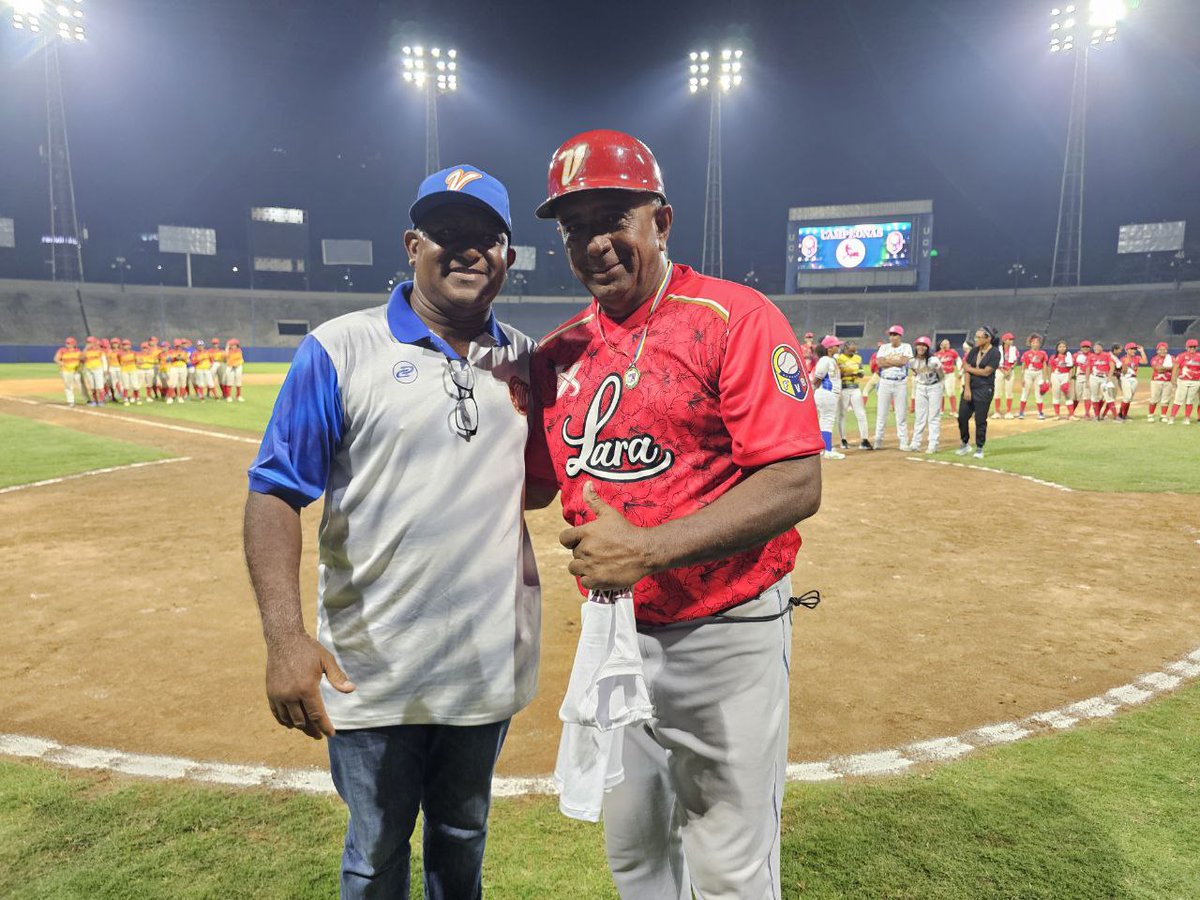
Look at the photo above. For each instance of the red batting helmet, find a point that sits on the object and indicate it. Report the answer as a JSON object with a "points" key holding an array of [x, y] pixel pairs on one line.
{"points": [[600, 159], [1083, 344], [924, 340], [1192, 344], [1007, 336]]}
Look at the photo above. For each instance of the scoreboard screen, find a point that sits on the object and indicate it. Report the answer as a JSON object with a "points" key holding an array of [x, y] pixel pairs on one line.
{"points": [[866, 245]]}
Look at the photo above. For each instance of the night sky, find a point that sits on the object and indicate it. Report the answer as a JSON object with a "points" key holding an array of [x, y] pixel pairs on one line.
{"points": [[189, 112]]}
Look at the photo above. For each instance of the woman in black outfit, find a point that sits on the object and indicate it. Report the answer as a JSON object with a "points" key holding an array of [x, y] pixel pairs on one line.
{"points": [[979, 365]]}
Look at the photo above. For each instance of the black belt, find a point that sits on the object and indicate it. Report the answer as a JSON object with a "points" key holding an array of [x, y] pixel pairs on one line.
{"points": [[809, 600]]}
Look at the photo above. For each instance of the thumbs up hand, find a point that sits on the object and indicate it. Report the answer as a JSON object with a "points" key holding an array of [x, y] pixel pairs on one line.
{"points": [[609, 553]]}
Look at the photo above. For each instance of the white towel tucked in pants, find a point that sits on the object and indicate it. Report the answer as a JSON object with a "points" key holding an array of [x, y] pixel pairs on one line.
{"points": [[607, 691]]}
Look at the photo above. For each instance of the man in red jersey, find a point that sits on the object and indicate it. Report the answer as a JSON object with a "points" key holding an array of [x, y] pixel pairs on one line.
{"points": [[1161, 386], [675, 415], [1187, 381]]}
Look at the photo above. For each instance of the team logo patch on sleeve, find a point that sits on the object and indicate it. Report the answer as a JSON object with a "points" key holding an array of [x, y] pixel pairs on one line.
{"points": [[789, 376]]}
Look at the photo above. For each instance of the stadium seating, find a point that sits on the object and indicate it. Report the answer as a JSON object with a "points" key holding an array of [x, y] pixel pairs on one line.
{"points": [[35, 315]]}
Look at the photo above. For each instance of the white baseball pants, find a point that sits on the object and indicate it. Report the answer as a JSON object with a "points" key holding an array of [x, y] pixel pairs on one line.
{"points": [[892, 395], [700, 803], [928, 413], [852, 399]]}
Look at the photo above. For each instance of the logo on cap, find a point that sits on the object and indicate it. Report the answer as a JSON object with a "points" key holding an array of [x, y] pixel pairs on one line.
{"points": [[460, 178], [572, 159]]}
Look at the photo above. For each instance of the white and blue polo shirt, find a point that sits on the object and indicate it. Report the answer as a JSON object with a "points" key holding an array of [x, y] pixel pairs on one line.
{"points": [[428, 592]]}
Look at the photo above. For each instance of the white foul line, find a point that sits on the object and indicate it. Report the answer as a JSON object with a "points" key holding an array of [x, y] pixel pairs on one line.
{"points": [[958, 465], [138, 420], [877, 763], [91, 472]]}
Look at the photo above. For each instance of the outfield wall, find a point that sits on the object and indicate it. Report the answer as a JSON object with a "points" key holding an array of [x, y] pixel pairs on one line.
{"points": [[36, 315]]}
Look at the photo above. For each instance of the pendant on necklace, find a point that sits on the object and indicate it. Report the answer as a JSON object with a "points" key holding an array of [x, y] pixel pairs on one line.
{"points": [[632, 377]]}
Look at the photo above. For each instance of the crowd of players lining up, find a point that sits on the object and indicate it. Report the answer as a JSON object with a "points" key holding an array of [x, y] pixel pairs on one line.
{"points": [[110, 370], [1092, 383]]}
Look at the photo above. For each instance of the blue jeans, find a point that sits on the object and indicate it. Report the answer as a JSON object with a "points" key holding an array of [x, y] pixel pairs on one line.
{"points": [[385, 774]]}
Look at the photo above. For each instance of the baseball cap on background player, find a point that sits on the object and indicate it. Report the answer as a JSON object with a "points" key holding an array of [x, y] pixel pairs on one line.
{"points": [[462, 185], [1084, 343], [1162, 345], [1132, 345], [830, 341], [600, 160], [809, 334], [1007, 336], [924, 340], [896, 329], [1191, 344]]}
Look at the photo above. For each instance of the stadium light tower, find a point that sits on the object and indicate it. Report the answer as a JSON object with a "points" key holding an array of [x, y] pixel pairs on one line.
{"points": [[433, 71], [1078, 30], [716, 73], [55, 23]]}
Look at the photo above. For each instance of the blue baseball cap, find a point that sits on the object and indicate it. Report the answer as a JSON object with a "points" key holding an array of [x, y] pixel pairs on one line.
{"points": [[462, 184]]}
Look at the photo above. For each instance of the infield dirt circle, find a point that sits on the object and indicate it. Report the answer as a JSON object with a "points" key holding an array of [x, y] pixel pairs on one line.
{"points": [[952, 598]]}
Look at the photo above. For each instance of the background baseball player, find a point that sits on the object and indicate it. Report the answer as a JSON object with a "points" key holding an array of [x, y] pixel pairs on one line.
{"points": [[1083, 380], [1187, 382], [1062, 382], [1135, 356], [1035, 362], [951, 363], [893, 358], [234, 361], [69, 358], [851, 366], [827, 379], [1006, 375], [1100, 383], [928, 378], [1162, 385]]}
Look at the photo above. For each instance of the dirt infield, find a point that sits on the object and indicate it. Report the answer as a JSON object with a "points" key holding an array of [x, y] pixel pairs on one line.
{"points": [[130, 622]]}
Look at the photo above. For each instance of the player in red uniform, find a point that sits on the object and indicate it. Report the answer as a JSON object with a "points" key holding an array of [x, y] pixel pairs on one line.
{"points": [[1036, 362], [1061, 379], [1100, 385], [675, 415], [1187, 381], [949, 357], [1161, 385], [1134, 356], [1083, 375]]}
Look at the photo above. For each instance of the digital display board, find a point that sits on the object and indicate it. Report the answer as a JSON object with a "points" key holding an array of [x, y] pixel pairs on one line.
{"points": [[865, 245]]}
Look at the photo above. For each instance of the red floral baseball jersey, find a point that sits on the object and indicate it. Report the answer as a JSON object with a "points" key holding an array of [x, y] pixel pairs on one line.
{"points": [[719, 391]]}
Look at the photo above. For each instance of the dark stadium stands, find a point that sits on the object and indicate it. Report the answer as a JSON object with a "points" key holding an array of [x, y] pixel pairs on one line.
{"points": [[36, 315]]}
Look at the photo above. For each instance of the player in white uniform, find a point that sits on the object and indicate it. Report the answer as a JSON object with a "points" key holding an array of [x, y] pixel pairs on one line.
{"points": [[893, 358], [827, 378], [928, 377]]}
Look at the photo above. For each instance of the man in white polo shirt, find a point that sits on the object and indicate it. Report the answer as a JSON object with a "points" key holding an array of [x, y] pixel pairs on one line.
{"points": [[411, 419], [893, 359]]}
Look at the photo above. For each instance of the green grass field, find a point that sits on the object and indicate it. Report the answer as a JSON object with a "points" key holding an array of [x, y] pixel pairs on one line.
{"points": [[1132, 456], [1106, 811], [33, 451], [50, 370]]}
